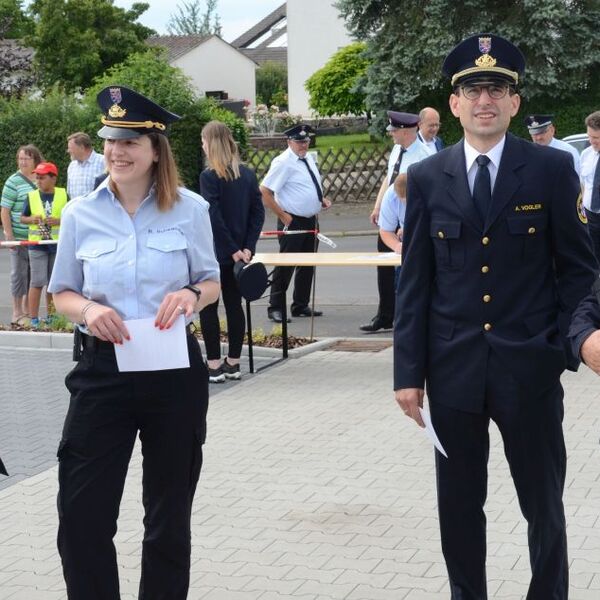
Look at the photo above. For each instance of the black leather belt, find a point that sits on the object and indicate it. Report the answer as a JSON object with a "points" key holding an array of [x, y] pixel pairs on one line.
{"points": [[82, 342]]}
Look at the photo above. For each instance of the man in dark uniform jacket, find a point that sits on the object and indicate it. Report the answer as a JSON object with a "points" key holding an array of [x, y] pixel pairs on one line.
{"points": [[496, 258]]}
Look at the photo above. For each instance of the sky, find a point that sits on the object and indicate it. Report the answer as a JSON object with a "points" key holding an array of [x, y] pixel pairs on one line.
{"points": [[237, 16]]}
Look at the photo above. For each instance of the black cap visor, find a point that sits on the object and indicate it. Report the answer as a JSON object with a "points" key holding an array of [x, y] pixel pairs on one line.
{"points": [[120, 133]]}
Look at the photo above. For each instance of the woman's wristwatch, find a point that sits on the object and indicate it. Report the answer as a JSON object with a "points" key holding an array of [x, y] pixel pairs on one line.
{"points": [[194, 289]]}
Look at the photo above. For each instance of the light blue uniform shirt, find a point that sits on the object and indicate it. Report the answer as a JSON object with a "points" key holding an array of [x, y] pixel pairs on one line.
{"points": [[393, 211], [130, 264], [290, 181]]}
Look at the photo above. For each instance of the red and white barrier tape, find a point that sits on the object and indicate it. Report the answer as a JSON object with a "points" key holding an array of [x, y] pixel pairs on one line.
{"points": [[28, 243]]}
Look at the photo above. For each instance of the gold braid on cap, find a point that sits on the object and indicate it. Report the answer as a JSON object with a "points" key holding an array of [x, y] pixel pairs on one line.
{"points": [[513, 74], [134, 124]]}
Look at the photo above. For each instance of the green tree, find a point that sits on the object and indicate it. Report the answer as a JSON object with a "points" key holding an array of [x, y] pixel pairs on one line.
{"points": [[189, 19], [77, 40], [336, 88], [407, 41], [271, 83], [14, 23]]}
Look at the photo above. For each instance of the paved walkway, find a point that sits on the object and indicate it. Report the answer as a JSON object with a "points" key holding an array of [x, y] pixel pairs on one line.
{"points": [[316, 487]]}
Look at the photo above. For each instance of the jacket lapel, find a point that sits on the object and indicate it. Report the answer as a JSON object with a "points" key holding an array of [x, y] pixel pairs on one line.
{"points": [[458, 186], [507, 180]]}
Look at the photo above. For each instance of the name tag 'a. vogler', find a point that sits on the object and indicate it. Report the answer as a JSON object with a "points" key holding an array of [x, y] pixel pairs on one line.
{"points": [[521, 207]]}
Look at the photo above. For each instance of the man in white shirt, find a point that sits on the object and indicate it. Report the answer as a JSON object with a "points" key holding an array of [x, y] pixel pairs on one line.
{"points": [[407, 150], [429, 125], [86, 164], [292, 190], [590, 180], [542, 130]]}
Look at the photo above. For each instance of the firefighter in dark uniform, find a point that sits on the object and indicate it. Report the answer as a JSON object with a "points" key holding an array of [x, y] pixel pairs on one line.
{"points": [[495, 259], [137, 247]]}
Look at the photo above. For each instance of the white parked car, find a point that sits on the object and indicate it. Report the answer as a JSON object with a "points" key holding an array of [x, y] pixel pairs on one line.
{"points": [[579, 141]]}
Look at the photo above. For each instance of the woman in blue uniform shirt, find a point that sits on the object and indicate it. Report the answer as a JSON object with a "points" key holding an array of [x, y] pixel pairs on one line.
{"points": [[237, 215], [139, 246]]}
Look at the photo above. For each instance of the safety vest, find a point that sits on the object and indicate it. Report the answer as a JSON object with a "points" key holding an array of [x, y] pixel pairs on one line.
{"points": [[37, 209]]}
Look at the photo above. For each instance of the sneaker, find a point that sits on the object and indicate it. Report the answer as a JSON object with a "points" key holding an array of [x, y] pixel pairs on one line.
{"points": [[216, 375], [35, 322], [231, 371]]}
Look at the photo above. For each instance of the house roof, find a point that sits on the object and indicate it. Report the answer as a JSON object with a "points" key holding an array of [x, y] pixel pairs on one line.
{"points": [[177, 45], [263, 55], [262, 27]]}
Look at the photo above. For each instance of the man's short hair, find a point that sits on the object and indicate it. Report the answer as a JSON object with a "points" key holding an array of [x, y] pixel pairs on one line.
{"points": [[81, 139], [593, 120]]}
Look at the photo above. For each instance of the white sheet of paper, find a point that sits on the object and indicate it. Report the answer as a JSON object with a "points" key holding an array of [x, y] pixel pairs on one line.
{"points": [[430, 431], [151, 349]]}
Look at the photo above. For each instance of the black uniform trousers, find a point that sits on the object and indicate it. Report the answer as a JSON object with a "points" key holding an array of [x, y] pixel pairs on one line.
{"points": [[386, 286], [302, 242], [531, 429], [106, 411], [594, 231], [236, 320]]}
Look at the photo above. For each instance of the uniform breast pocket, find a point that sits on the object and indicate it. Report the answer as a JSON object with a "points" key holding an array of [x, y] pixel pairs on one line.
{"points": [[529, 234], [448, 244], [167, 255], [98, 258]]}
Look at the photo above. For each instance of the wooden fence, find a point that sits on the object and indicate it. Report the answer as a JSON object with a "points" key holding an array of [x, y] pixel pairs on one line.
{"points": [[349, 175]]}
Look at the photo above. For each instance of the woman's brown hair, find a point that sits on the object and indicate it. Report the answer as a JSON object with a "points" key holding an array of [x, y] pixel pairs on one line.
{"points": [[32, 152], [223, 156]]}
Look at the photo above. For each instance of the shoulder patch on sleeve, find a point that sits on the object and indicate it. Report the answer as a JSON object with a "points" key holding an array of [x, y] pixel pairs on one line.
{"points": [[581, 210]]}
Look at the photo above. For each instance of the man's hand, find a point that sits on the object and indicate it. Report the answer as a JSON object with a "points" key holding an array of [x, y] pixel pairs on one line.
{"points": [[409, 400], [286, 218], [590, 351], [326, 203]]}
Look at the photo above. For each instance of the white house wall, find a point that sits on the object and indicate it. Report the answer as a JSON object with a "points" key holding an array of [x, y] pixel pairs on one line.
{"points": [[214, 65], [315, 31]]}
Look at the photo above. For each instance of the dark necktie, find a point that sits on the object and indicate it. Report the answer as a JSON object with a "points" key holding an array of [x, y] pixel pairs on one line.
{"points": [[396, 169], [314, 180], [595, 203], [482, 190]]}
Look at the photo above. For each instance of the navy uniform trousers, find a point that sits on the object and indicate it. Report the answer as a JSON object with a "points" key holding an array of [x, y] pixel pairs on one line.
{"points": [[531, 429], [386, 286], [304, 275], [106, 411]]}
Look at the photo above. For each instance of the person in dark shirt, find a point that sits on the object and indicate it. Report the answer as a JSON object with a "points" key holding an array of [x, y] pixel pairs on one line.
{"points": [[237, 216]]}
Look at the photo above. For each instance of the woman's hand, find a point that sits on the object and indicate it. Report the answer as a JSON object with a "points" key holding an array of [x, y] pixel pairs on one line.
{"points": [[105, 323], [181, 302]]}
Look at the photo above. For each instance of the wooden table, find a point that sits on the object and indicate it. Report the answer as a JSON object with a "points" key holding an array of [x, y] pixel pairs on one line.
{"points": [[313, 259]]}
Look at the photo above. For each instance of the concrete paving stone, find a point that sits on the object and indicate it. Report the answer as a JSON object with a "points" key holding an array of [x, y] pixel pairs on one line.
{"points": [[421, 595], [272, 595], [308, 561], [329, 590], [308, 460], [265, 571], [426, 584], [366, 592], [286, 587]]}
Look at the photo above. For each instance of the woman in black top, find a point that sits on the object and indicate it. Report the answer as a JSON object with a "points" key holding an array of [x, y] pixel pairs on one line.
{"points": [[237, 216]]}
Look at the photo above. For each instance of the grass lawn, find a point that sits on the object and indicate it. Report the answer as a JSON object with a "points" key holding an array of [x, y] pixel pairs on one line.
{"points": [[347, 141]]}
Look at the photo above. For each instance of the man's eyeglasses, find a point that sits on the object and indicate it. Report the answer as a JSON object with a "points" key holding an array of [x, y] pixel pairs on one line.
{"points": [[496, 91]]}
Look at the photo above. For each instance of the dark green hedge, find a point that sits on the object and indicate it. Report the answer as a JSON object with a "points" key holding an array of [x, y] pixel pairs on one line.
{"points": [[47, 122]]}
